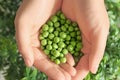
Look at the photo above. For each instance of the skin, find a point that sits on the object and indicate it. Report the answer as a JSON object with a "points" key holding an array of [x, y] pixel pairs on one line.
{"points": [[93, 22]]}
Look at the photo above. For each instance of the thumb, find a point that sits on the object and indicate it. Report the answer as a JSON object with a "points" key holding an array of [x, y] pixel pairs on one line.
{"points": [[98, 41], [23, 42]]}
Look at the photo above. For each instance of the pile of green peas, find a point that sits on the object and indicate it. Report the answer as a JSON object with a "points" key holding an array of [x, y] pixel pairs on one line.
{"points": [[60, 36]]}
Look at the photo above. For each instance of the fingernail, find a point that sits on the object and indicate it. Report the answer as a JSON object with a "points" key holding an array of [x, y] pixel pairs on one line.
{"points": [[94, 69], [28, 63]]}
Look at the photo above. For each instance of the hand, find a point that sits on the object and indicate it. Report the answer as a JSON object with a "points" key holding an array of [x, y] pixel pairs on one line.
{"points": [[31, 15], [93, 22]]}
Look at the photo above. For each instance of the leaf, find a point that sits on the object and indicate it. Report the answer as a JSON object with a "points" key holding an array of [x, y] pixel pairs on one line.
{"points": [[25, 78], [27, 71]]}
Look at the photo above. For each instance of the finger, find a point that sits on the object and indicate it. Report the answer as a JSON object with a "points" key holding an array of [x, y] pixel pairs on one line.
{"points": [[82, 68], [50, 69], [70, 59], [97, 50], [67, 76], [24, 41], [68, 68]]}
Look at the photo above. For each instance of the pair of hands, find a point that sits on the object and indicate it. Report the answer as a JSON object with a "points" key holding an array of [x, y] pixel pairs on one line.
{"points": [[93, 22]]}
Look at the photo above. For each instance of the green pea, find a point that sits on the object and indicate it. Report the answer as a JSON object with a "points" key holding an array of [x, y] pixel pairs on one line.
{"points": [[46, 52], [62, 16], [56, 33], [58, 13], [76, 28], [56, 39], [77, 49], [54, 19], [78, 32], [63, 35], [43, 42], [74, 24], [76, 54], [52, 51], [49, 42], [57, 61], [51, 36], [67, 32], [78, 37], [56, 53], [65, 51], [61, 44], [68, 37], [73, 43], [72, 34], [66, 25], [45, 34], [50, 23], [52, 58], [72, 52], [71, 29], [70, 48], [59, 49], [63, 28], [55, 46], [67, 42], [73, 39], [68, 21], [51, 29], [56, 24], [61, 55], [45, 27], [63, 60], [41, 37], [62, 21], [61, 39], [58, 29], [49, 47], [79, 45]]}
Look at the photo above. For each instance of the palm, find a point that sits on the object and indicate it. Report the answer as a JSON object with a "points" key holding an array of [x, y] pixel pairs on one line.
{"points": [[90, 22], [29, 19], [33, 17]]}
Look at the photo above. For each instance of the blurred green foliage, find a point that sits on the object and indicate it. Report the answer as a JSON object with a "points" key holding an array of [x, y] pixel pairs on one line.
{"points": [[11, 59]]}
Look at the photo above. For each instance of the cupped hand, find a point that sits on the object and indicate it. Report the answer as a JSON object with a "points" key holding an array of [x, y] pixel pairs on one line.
{"points": [[31, 15], [93, 22]]}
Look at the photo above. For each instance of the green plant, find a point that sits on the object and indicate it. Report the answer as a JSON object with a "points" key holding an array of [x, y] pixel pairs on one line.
{"points": [[11, 59]]}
